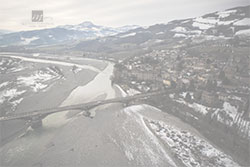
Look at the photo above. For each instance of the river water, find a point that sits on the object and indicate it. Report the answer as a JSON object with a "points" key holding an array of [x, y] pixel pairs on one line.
{"points": [[100, 85]]}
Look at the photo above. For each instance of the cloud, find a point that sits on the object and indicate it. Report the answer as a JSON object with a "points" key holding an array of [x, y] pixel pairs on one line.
{"points": [[108, 12]]}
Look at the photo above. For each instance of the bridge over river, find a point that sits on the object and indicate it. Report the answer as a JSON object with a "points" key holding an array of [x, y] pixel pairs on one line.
{"points": [[37, 115]]}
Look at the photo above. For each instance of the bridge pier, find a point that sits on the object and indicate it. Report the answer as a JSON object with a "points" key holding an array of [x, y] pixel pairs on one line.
{"points": [[126, 104], [36, 124], [129, 103]]}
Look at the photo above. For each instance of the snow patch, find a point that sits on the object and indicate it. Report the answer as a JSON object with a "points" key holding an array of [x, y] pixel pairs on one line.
{"points": [[129, 155], [152, 152], [158, 41], [36, 54], [243, 32], [128, 35], [230, 110], [36, 81], [4, 84], [190, 149], [9, 94], [178, 35], [159, 33], [226, 13], [179, 29], [26, 41], [132, 92], [243, 22], [202, 26], [124, 94]]}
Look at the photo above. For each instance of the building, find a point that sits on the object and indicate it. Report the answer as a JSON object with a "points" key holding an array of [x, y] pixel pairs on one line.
{"points": [[167, 83], [209, 98], [145, 76]]}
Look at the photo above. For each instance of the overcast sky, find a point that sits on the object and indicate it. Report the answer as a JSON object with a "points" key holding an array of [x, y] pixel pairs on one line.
{"points": [[16, 14]]}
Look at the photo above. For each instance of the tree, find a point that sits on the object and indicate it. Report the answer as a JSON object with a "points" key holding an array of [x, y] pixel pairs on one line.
{"points": [[179, 66], [209, 85], [191, 86], [173, 84], [197, 95], [208, 61], [226, 81], [222, 75], [178, 58], [188, 97]]}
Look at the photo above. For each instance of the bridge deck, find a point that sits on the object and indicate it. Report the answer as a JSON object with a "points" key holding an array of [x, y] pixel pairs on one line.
{"points": [[83, 106]]}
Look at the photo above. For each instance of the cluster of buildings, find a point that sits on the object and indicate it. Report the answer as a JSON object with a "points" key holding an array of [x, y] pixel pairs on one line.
{"points": [[211, 80]]}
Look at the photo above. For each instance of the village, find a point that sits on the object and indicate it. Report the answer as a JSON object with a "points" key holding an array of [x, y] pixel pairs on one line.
{"points": [[210, 81]]}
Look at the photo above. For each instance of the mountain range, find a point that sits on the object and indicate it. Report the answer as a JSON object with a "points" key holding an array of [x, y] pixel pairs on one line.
{"points": [[58, 35]]}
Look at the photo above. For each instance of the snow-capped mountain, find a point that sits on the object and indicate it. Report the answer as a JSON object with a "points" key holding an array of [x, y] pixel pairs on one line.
{"points": [[225, 25], [61, 34], [98, 31]]}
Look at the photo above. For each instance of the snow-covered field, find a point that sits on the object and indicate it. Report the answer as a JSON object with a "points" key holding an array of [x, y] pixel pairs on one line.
{"points": [[205, 23], [29, 81], [39, 79], [201, 25], [12, 92], [243, 22], [243, 33], [8, 65], [170, 141], [191, 150], [151, 149], [12, 96], [227, 115]]}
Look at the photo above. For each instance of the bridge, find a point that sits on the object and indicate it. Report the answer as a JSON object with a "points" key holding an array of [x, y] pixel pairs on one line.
{"points": [[36, 116]]}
